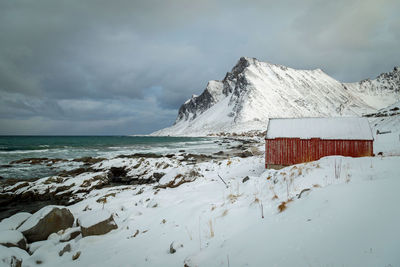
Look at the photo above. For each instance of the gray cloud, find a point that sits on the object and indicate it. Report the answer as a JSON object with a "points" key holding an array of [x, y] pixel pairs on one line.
{"points": [[124, 66]]}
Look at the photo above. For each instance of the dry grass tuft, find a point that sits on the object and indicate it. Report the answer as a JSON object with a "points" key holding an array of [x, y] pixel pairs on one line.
{"points": [[283, 206], [232, 198], [211, 229], [224, 213], [274, 197], [300, 172]]}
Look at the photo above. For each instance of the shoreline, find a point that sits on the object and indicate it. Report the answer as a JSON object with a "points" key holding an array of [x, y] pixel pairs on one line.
{"points": [[29, 195]]}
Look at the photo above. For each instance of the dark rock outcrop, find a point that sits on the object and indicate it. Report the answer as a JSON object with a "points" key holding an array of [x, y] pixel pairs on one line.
{"points": [[119, 175], [99, 228], [46, 221]]}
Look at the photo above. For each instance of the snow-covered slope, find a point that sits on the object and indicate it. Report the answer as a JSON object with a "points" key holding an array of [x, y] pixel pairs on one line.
{"points": [[255, 91], [386, 129], [336, 211]]}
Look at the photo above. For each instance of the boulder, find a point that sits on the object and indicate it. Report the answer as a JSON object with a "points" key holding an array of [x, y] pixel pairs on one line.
{"points": [[44, 245], [158, 175], [46, 221], [96, 223], [12, 256], [15, 221], [70, 234], [119, 175], [12, 238]]}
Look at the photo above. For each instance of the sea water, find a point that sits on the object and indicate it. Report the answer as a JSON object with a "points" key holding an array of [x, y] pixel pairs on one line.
{"points": [[71, 147]]}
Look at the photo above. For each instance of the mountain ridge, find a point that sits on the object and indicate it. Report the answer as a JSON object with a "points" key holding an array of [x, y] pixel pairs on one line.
{"points": [[254, 91]]}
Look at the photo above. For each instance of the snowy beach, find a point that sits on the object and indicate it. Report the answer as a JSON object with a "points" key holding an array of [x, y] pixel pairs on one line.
{"points": [[226, 212]]}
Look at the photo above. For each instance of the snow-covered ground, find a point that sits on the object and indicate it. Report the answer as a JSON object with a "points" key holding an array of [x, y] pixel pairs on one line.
{"points": [[337, 211], [385, 126]]}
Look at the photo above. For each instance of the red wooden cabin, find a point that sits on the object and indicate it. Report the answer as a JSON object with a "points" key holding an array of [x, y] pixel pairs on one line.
{"points": [[293, 141]]}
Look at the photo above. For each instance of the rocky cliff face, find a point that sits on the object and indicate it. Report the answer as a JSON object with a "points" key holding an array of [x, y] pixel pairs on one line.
{"points": [[389, 82], [234, 82], [254, 91]]}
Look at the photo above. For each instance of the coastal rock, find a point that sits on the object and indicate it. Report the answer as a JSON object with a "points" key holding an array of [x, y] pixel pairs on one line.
{"points": [[12, 256], [15, 221], [12, 238], [119, 175], [49, 219], [244, 154], [70, 234], [96, 223], [89, 160], [174, 179], [158, 175], [36, 161], [42, 245], [17, 186]]}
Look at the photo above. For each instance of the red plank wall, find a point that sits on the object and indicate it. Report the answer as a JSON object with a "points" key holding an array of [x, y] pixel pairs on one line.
{"points": [[288, 151]]}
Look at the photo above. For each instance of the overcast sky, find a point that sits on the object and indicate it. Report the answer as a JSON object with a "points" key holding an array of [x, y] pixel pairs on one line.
{"points": [[124, 67]]}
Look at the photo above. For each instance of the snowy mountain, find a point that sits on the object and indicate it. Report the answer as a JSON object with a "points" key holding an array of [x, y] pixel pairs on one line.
{"points": [[255, 91]]}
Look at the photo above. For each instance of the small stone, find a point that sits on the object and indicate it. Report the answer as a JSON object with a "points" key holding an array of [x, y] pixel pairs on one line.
{"points": [[245, 179], [67, 248], [76, 255], [172, 250]]}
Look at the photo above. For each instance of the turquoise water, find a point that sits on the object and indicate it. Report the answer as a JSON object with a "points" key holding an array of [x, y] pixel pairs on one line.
{"points": [[70, 147]]}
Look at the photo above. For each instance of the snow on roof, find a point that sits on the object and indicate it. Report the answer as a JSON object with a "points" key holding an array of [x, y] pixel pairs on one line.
{"points": [[353, 128]]}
